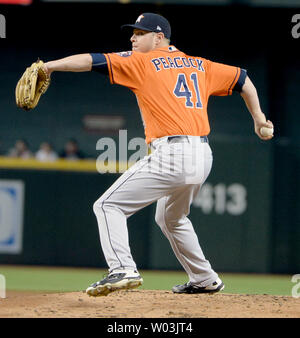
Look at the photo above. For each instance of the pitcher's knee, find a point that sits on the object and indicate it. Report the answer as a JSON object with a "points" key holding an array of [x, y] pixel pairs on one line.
{"points": [[164, 222], [99, 205], [103, 205]]}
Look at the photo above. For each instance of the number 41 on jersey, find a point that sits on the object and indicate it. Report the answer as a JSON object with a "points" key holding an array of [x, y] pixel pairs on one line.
{"points": [[182, 90]]}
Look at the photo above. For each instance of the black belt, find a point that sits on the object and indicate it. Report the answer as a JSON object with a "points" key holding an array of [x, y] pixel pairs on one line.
{"points": [[204, 139]]}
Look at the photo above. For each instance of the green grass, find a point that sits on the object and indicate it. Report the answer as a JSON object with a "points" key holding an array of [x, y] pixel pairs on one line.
{"points": [[59, 279]]}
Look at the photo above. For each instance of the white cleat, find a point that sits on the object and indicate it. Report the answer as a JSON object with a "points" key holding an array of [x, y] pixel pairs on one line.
{"points": [[116, 280]]}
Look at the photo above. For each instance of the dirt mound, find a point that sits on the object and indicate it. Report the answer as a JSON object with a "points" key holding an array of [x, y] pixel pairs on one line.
{"points": [[146, 304]]}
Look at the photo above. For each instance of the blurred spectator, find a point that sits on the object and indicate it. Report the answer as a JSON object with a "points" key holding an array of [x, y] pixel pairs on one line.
{"points": [[46, 153], [71, 151], [21, 150]]}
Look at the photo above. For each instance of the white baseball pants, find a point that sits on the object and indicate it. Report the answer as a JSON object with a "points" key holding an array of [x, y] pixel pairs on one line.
{"points": [[172, 175]]}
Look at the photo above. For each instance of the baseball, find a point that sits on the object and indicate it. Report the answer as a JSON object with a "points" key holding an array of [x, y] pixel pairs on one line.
{"points": [[266, 131]]}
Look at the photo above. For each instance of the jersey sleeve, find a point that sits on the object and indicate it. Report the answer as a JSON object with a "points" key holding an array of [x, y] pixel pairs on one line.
{"points": [[126, 69], [221, 79], [99, 63], [241, 81]]}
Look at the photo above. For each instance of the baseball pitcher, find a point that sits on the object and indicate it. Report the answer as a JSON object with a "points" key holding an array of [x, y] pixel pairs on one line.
{"points": [[172, 91]]}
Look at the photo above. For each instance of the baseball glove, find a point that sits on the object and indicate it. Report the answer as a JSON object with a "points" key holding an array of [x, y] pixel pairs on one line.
{"points": [[33, 83]]}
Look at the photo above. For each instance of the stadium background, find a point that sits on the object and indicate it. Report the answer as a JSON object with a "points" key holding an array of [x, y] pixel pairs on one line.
{"points": [[58, 226]]}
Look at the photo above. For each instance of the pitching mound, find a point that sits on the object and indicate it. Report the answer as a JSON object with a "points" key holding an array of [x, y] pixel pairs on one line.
{"points": [[147, 304]]}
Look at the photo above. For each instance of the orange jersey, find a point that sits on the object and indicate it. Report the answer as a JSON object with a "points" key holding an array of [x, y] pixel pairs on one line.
{"points": [[172, 88]]}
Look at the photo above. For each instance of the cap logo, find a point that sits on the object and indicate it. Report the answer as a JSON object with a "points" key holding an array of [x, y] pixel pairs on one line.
{"points": [[158, 28], [139, 18]]}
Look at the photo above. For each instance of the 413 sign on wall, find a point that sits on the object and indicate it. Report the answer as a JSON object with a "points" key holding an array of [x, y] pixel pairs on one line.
{"points": [[222, 198]]}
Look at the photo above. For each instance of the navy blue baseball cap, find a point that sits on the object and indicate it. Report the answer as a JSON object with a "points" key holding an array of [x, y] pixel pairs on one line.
{"points": [[153, 23]]}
